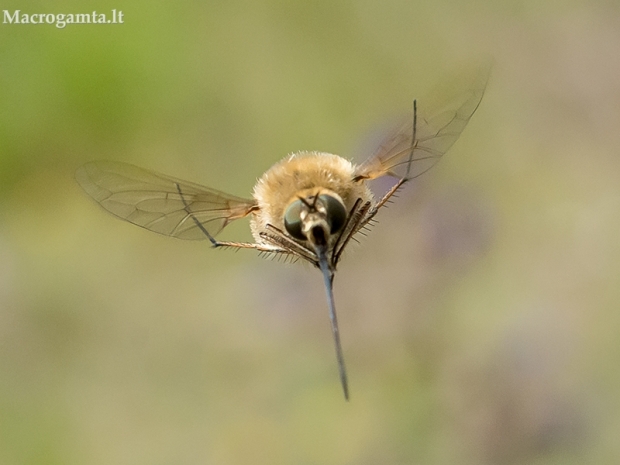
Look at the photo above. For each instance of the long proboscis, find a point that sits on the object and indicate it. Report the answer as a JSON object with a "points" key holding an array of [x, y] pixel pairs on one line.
{"points": [[328, 278]]}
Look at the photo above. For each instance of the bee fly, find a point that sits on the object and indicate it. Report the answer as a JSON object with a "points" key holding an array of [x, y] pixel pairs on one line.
{"points": [[308, 206]]}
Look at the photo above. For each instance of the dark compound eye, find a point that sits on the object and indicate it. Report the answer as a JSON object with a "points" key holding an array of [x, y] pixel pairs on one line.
{"points": [[335, 212], [292, 220]]}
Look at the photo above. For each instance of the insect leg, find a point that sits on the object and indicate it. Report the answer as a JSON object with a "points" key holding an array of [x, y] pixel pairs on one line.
{"points": [[288, 245], [215, 243], [354, 224]]}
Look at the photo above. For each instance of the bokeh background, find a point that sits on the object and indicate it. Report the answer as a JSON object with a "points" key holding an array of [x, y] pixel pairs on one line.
{"points": [[480, 318]]}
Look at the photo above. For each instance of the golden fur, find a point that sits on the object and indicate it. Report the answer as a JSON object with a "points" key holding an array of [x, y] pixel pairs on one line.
{"points": [[303, 174]]}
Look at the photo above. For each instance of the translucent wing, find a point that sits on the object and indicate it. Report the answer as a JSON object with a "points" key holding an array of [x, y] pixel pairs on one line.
{"points": [[161, 203], [414, 149]]}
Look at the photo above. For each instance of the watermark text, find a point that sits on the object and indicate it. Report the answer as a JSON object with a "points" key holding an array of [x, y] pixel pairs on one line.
{"points": [[61, 20]]}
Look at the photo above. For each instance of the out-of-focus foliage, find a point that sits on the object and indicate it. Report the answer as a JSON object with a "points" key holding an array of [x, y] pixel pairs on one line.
{"points": [[480, 318]]}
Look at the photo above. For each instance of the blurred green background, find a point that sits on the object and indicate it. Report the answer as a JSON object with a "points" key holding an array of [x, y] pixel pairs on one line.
{"points": [[480, 318]]}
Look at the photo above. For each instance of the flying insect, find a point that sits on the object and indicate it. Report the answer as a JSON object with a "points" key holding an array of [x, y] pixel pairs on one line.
{"points": [[308, 206]]}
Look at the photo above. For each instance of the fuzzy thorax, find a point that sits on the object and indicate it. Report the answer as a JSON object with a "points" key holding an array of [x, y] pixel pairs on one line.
{"points": [[303, 174]]}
